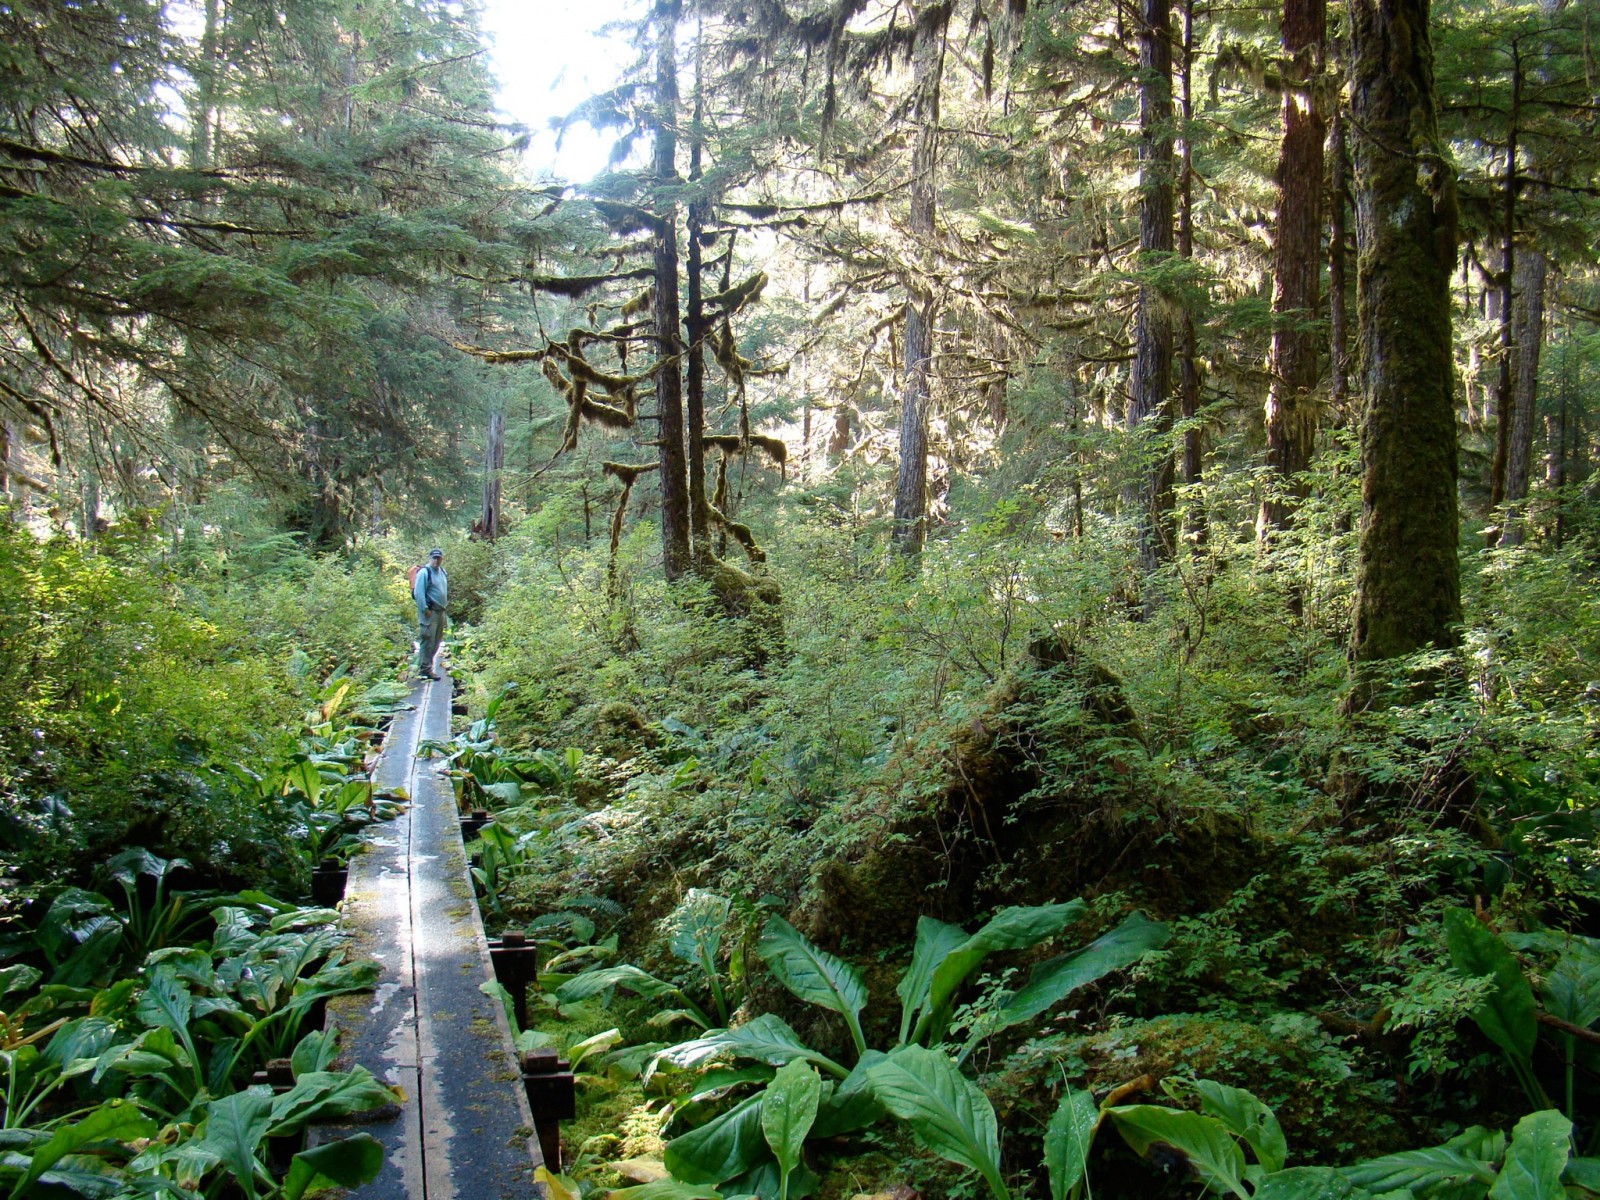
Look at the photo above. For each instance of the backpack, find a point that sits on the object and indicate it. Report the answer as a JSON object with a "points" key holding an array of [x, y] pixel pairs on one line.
{"points": [[411, 579]]}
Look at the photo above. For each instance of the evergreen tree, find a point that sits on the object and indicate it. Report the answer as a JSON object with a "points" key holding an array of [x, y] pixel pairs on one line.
{"points": [[1408, 578]]}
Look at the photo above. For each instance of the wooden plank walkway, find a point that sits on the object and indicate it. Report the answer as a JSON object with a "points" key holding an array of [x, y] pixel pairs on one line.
{"points": [[465, 1128]]}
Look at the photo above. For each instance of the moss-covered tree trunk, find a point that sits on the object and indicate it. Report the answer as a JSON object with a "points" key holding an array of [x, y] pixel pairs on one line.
{"points": [[1189, 354], [1150, 385], [1338, 239], [664, 300], [911, 482], [1408, 584], [1504, 401], [1296, 265], [695, 361]]}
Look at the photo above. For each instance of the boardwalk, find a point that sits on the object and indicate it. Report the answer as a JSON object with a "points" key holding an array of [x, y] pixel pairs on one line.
{"points": [[465, 1129]]}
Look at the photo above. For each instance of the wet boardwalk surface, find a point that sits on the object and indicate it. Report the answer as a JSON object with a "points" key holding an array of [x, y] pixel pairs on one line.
{"points": [[465, 1129]]}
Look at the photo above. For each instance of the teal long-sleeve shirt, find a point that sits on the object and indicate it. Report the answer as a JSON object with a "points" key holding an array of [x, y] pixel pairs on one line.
{"points": [[431, 589]]}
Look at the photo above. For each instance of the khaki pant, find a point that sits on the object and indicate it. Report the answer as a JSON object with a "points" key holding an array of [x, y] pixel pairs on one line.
{"points": [[430, 630]]}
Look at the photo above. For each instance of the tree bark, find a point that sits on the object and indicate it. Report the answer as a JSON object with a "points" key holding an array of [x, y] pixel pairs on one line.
{"points": [[910, 528], [1189, 367], [203, 121], [675, 546], [1504, 400], [1532, 271], [1296, 268], [1555, 470], [1338, 240], [695, 393], [494, 461], [1150, 387], [1408, 584]]}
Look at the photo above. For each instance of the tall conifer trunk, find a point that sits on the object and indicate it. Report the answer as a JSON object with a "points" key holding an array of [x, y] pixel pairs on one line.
{"points": [[911, 483], [494, 461], [1189, 368], [1505, 381], [1338, 239], [1150, 387], [1296, 267], [695, 362], [1532, 272], [1408, 583], [675, 547]]}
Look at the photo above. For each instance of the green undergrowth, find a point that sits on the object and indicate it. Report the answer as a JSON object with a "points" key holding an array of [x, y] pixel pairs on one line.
{"points": [[186, 733], [1017, 725], [143, 682]]}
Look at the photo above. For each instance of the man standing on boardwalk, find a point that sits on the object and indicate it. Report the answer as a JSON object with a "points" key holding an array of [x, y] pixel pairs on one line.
{"points": [[431, 591]]}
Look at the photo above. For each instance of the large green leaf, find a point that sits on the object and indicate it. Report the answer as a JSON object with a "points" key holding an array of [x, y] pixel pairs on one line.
{"points": [[18, 977], [87, 1037], [625, 976], [359, 976], [115, 1120], [1572, 988], [766, 1039], [510, 791], [126, 866], [851, 1104], [153, 1052], [1536, 1158], [1460, 1169], [1010, 929], [720, 1149], [316, 1051], [1204, 1141], [304, 777], [91, 1176], [764, 1179], [72, 918], [1583, 1173], [1053, 980], [234, 1128], [1308, 1183], [935, 940], [699, 923], [1248, 1118], [166, 1003], [1067, 1139], [348, 1163], [944, 1110], [1506, 1015], [814, 975], [665, 1189], [328, 1096], [788, 1110]]}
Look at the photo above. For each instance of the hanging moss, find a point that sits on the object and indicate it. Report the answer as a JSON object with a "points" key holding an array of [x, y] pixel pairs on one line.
{"points": [[577, 286], [741, 534], [628, 473], [733, 299]]}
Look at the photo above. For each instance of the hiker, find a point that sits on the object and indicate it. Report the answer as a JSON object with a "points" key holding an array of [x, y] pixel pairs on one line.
{"points": [[431, 590]]}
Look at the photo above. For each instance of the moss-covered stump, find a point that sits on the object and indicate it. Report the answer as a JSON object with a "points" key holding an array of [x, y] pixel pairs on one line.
{"points": [[1044, 795]]}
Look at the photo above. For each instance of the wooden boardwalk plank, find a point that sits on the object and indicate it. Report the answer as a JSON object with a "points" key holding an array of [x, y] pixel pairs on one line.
{"points": [[464, 1129]]}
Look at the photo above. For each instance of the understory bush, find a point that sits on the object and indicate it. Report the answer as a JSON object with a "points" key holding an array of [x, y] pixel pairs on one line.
{"points": [[132, 688]]}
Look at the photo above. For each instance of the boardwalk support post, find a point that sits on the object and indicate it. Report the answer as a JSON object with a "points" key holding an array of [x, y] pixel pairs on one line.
{"points": [[516, 966], [551, 1096], [327, 882]]}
